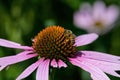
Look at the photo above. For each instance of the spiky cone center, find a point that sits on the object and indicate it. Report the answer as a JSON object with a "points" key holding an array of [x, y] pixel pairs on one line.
{"points": [[55, 42]]}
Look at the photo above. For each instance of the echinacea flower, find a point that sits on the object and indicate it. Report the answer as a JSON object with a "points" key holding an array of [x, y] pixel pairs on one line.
{"points": [[55, 46], [97, 18]]}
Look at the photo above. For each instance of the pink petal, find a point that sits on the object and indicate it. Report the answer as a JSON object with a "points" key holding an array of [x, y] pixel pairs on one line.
{"points": [[95, 72], [83, 17], [54, 63], [101, 56], [11, 44], [83, 20], [61, 64], [5, 61], [29, 70], [85, 7], [99, 10], [2, 67], [111, 15], [6, 42], [43, 70], [25, 53], [107, 67], [85, 39]]}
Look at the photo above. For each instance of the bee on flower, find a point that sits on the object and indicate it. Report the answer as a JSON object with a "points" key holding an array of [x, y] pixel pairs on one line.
{"points": [[97, 18], [54, 47]]}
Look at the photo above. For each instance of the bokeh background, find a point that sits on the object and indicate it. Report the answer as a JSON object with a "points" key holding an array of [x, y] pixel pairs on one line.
{"points": [[21, 20]]}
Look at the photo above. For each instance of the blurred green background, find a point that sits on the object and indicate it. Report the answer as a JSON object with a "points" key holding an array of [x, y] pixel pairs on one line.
{"points": [[21, 20]]}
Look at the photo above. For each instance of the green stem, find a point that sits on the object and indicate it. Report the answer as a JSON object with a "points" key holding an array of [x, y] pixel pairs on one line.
{"points": [[52, 74]]}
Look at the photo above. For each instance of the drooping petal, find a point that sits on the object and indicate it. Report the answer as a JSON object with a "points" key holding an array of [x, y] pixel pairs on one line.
{"points": [[5, 61], [43, 70], [101, 56], [95, 72], [54, 63], [61, 64], [107, 67], [85, 39], [29, 70], [10, 44]]}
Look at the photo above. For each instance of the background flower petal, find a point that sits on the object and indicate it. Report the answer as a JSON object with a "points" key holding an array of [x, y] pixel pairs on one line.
{"points": [[112, 14], [99, 10], [83, 17], [83, 20]]}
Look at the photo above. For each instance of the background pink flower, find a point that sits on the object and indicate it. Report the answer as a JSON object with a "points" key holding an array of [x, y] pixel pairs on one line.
{"points": [[97, 18]]}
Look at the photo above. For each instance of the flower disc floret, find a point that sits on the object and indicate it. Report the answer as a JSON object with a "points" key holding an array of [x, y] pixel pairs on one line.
{"points": [[55, 42]]}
